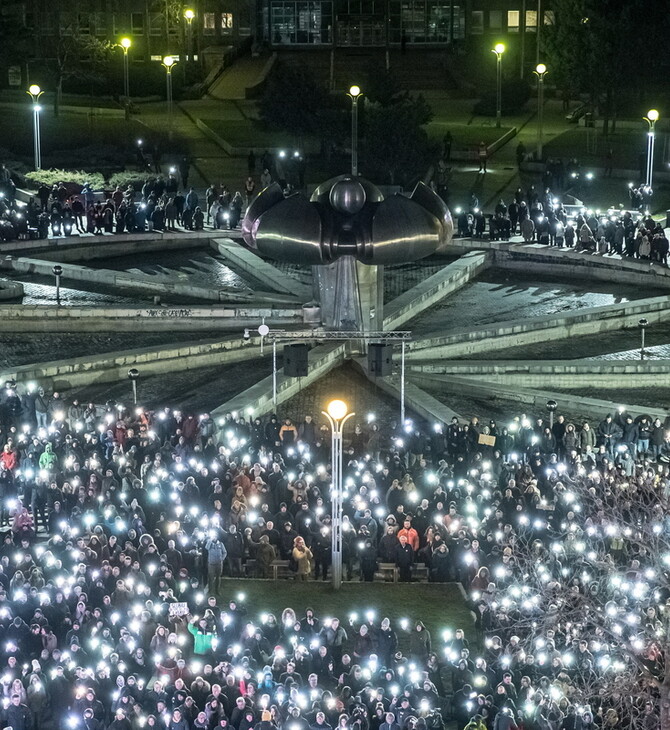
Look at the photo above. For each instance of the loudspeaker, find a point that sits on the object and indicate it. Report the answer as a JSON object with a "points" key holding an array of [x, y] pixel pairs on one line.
{"points": [[380, 360], [295, 360]]}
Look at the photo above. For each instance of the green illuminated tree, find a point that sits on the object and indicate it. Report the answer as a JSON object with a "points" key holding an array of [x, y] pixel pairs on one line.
{"points": [[603, 49], [396, 146]]}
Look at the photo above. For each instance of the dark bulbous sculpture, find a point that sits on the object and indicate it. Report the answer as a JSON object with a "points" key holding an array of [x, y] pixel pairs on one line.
{"points": [[347, 216]]}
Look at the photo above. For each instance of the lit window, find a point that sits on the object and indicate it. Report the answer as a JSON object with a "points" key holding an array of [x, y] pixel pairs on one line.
{"points": [[477, 22], [137, 23], [531, 21], [513, 21]]}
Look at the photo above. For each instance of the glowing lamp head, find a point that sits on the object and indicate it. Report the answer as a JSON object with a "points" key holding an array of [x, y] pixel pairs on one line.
{"points": [[541, 69], [126, 43], [499, 48], [355, 91], [189, 14], [337, 409], [34, 89], [168, 62], [653, 115]]}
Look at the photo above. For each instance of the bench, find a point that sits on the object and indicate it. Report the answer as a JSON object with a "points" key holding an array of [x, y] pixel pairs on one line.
{"points": [[420, 572], [278, 565], [250, 568], [387, 570]]}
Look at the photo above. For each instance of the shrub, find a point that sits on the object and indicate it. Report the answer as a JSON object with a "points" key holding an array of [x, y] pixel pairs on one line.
{"points": [[128, 177], [76, 177], [514, 96]]}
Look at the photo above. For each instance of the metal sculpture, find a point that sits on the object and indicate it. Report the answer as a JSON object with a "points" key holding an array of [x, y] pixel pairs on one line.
{"points": [[347, 216]]}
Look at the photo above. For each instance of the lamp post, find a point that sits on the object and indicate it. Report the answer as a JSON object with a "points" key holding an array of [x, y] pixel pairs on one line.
{"points": [[337, 415], [35, 92], [651, 119], [133, 375], [642, 324], [168, 64], [498, 49], [57, 272], [540, 71], [189, 15], [354, 94], [125, 44], [551, 407]]}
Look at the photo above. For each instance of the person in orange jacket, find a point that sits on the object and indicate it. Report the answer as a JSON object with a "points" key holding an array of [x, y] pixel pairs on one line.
{"points": [[411, 534]]}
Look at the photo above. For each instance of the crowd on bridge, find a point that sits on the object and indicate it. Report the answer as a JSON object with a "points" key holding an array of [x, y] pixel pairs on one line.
{"points": [[541, 217], [120, 524], [159, 205]]}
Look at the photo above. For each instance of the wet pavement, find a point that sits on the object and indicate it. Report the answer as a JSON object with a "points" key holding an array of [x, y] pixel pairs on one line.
{"points": [[399, 278], [657, 397], [198, 390], [347, 383], [619, 345], [198, 266], [40, 290], [498, 295], [24, 349], [489, 407]]}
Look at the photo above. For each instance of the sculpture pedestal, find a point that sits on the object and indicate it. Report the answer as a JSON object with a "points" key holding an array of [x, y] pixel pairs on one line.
{"points": [[351, 295]]}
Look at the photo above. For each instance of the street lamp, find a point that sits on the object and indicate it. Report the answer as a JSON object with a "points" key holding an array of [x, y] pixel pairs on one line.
{"points": [[642, 324], [35, 92], [499, 49], [354, 93], [651, 119], [125, 44], [57, 272], [133, 375], [551, 407], [189, 15], [540, 71], [169, 63], [336, 413]]}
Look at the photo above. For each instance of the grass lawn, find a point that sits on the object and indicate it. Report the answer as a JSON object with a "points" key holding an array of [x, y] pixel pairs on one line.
{"points": [[439, 606], [466, 136], [249, 133], [67, 131], [590, 147]]}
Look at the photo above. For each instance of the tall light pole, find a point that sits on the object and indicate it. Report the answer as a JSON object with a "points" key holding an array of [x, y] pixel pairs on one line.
{"points": [[35, 92], [651, 119], [354, 94], [642, 324], [337, 415], [551, 407], [125, 44], [189, 15], [168, 64], [540, 71], [498, 49], [538, 37], [57, 271], [133, 375]]}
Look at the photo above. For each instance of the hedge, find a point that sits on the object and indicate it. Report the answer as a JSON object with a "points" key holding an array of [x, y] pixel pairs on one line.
{"points": [[55, 176], [128, 177]]}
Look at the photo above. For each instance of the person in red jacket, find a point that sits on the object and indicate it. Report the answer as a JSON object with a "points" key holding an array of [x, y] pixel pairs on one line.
{"points": [[9, 458], [411, 534]]}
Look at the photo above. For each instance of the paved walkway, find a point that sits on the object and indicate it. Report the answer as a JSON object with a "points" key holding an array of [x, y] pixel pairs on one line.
{"points": [[236, 79]]}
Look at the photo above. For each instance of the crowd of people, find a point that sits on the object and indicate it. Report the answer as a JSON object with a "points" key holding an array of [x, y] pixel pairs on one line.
{"points": [[542, 218], [121, 522]]}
